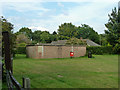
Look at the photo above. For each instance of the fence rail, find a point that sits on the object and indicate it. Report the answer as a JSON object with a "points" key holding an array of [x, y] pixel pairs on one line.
{"points": [[12, 82]]}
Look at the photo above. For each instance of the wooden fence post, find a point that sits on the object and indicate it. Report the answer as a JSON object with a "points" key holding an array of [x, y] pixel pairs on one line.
{"points": [[26, 83], [8, 61]]}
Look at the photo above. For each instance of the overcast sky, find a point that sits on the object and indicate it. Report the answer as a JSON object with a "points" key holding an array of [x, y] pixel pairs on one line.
{"points": [[48, 15]]}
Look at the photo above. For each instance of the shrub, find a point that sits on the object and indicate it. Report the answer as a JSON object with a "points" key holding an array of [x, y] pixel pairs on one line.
{"points": [[100, 49], [20, 50], [116, 48]]}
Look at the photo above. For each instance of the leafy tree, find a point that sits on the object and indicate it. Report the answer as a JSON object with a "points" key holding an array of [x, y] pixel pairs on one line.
{"points": [[54, 33], [103, 40], [113, 32], [36, 36], [86, 32], [7, 26], [67, 29], [53, 37], [45, 37], [21, 38], [26, 31], [76, 41]]}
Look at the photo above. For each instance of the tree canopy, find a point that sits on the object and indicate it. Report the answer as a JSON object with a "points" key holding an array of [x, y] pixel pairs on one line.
{"points": [[26, 31], [84, 31], [113, 32], [67, 29], [7, 26]]}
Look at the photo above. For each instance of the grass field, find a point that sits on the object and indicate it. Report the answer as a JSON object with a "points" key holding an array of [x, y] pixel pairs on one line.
{"points": [[98, 72]]}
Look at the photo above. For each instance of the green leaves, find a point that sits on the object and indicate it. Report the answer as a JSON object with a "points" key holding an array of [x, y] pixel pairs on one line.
{"points": [[67, 29], [113, 32], [75, 41], [84, 31]]}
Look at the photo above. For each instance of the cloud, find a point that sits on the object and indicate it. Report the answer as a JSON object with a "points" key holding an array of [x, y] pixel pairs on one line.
{"points": [[60, 4], [38, 28], [94, 14], [25, 6]]}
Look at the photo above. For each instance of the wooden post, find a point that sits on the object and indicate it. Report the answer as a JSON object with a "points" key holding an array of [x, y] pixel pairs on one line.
{"points": [[26, 83], [8, 62]]}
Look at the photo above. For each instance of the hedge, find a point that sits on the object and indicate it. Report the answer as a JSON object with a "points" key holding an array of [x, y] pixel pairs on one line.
{"points": [[99, 50], [20, 50]]}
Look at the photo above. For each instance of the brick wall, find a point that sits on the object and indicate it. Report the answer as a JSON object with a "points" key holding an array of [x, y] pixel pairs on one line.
{"points": [[55, 51]]}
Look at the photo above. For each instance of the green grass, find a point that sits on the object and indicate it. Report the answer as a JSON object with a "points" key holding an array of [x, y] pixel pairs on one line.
{"points": [[98, 72]]}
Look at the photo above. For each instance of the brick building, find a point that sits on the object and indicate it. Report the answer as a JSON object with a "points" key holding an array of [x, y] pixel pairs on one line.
{"points": [[54, 51]]}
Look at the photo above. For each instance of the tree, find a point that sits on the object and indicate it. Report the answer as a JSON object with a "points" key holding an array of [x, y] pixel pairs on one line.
{"points": [[103, 40], [113, 32], [54, 33], [45, 37], [76, 41], [67, 29], [86, 32], [7, 26], [36, 36], [26, 31], [21, 38]]}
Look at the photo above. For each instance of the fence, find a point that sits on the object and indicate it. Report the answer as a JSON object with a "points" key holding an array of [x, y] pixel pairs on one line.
{"points": [[12, 83]]}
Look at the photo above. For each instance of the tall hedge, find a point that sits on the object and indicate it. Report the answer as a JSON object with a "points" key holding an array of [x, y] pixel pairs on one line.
{"points": [[20, 50], [99, 50]]}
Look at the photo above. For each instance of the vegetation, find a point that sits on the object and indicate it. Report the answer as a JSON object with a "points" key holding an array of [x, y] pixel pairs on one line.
{"points": [[100, 50], [84, 31], [98, 72], [87, 32], [7, 26], [75, 41], [113, 32]]}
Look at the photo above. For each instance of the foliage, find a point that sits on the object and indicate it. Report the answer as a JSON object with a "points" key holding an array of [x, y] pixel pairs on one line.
{"points": [[75, 41], [36, 36], [61, 37], [86, 32], [21, 45], [113, 32], [54, 33], [7, 26], [116, 48], [21, 38], [45, 37], [26, 31], [99, 50], [103, 40], [67, 29], [20, 50]]}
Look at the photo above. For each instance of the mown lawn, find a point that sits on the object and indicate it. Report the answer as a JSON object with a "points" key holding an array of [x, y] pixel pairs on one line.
{"points": [[98, 72]]}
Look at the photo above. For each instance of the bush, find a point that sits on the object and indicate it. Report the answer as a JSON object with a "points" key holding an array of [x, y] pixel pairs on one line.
{"points": [[116, 48], [20, 50], [99, 50]]}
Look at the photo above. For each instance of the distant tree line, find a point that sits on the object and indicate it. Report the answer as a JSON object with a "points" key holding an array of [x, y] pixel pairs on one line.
{"points": [[65, 32]]}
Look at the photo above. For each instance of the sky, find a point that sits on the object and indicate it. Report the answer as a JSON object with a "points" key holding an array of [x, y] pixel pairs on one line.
{"points": [[48, 15]]}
